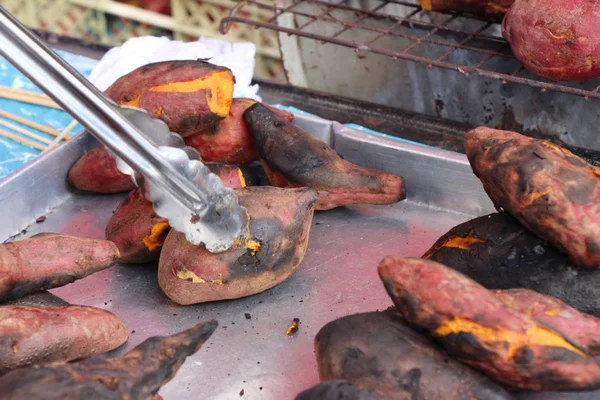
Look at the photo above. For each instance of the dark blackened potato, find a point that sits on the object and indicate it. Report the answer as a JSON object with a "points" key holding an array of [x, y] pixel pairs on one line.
{"points": [[279, 223], [380, 352], [499, 253], [548, 189], [477, 328], [138, 375], [292, 157], [337, 390]]}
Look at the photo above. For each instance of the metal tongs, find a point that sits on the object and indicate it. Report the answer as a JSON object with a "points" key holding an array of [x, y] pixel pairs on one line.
{"points": [[171, 175]]}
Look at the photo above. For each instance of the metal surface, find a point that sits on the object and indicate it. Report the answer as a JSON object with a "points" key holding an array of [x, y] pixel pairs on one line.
{"points": [[182, 189]]}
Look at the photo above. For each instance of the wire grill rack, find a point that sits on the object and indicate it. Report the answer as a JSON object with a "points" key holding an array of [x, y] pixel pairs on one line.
{"points": [[401, 30]]}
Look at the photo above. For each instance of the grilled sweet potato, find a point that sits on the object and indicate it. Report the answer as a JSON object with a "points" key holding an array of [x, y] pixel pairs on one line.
{"points": [[279, 223], [337, 390], [139, 233], [555, 39], [292, 157], [33, 334], [548, 189], [476, 327], [379, 352], [230, 139], [97, 172], [499, 253], [584, 329], [190, 96], [137, 375], [49, 260], [485, 8]]}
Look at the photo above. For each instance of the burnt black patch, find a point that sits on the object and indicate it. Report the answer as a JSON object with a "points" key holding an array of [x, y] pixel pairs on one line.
{"points": [[466, 346], [191, 122], [411, 382], [523, 356], [356, 364], [591, 245]]}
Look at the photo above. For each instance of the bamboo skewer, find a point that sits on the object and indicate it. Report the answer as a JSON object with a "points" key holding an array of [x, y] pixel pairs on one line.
{"points": [[27, 98], [62, 135], [22, 140], [25, 132], [40, 127]]}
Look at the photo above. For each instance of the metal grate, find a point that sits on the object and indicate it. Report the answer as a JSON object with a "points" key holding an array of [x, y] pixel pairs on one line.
{"points": [[403, 31]]}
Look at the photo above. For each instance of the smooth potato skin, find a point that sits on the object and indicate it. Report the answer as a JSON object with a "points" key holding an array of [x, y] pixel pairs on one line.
{"points": [[499, 253], [230, 140], [291, 157], [33, 334], [380, 352], [477, 328], [96, 171], [139, 374], [485, 8], [280, 221], [583, 329], [50, 260], [557, 40], [548, 189]]}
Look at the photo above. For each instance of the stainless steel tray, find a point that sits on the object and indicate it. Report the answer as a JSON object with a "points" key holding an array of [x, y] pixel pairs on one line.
{"points": [[253, 358]]}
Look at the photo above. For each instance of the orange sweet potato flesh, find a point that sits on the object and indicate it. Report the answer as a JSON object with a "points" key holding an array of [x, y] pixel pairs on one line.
{"points": [[485, 8], [138, 375], [33, 334], [97, 172], [477, 328], [278, 228], [292, 157], [230, 139], [190, 96], [549, 190], [49, 260], [583, 329], [557, 40], [139, 233]]}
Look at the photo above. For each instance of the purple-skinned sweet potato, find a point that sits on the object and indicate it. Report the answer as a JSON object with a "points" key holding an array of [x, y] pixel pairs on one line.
{"points": [[96, 171], [582, 328], [139, 233], [555, 39], [274, 246], [49, 260], [138, 375], [479, 329], [484, 8], [291, 157], [548, 189], [34, 334]]}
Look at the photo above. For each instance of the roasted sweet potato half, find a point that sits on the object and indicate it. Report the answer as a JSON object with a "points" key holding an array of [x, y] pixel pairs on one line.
{"points": [[230, 139], [499, 253], [49, 260], [479, 329], [557, 40], [337, 390], [96, 171], [380, 352], [484, 8], [292, 157], [33, 334], [279, 223], [190, 96], [139, 233], [584, 329], [548, 189], [139, 374]]}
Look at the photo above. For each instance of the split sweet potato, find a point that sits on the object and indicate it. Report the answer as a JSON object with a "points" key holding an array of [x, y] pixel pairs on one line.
{"points": [[230, 139], [137, 375], [380, 352], [139, 233], [337, 390], [584, 329], [499, 253], [555, 39], [274, 246], [485, 8], [49, 260], [548, 189], [477, 328], [97, 172], [292, 157], [33, 334]]}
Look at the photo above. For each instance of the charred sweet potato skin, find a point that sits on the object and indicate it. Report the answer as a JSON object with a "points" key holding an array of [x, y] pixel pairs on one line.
{"points": [[279, 224], [33, 334], [139, 374], [557, 40], [491, 9], [189, 96], [96, 171], [337, 390], [230, 140], [49, 260], [499, 253], [548, 189], [477, 328], [380, 352], [291, 157], [584, 329]]}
